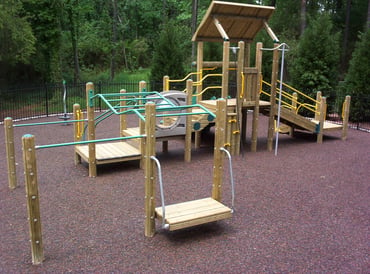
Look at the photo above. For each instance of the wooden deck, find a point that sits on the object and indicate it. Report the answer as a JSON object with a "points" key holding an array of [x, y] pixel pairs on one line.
{"points": [[329, 126], [110, 152], [193, 213], [231, 103]]}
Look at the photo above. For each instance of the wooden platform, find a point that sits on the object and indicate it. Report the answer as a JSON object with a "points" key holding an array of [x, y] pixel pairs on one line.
{"points": [[110, 152], [328, 126], [193, 213], [231, 104]]}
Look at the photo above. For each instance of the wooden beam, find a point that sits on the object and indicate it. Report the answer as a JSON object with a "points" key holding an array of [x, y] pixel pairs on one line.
{"points": [[270, 32], [220, 29]]}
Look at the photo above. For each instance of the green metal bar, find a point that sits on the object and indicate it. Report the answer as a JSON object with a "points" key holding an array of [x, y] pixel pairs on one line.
{"points": [[49, 123], [89, 141]]}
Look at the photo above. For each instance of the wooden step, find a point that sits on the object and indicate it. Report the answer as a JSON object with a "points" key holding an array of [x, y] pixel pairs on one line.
{"points": [[193, 213]]}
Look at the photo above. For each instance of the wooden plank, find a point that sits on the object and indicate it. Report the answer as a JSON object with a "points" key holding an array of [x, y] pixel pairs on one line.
{"points": [[110, 152], [193, 213]]}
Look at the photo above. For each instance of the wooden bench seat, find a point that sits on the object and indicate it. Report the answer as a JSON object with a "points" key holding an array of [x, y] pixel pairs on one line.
{"points": [[193, 213]]}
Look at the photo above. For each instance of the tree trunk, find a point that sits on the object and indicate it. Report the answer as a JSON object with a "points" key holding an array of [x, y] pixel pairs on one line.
{"points": [[194, 19], [345, 35], [303, 15], [368, 15], [114, 40], [74, 39]]}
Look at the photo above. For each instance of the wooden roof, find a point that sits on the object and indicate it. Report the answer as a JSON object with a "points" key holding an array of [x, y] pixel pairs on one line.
{"points": [[232, 21]]}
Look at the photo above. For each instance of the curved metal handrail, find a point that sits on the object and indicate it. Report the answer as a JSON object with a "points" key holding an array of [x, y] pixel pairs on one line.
{"points": [[231, 177], [158, 164]]}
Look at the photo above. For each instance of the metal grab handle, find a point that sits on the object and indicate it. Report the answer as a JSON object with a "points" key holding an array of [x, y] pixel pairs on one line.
{"points": [[231, 177], [158, 164]]}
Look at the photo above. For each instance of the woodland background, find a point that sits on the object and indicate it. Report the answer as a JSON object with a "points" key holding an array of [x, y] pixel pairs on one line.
{"points": [[47, 41]]}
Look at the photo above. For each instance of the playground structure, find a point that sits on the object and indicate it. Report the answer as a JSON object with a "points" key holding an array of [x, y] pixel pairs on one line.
{"points": [[172, 122], [227, 23], [173, 217], [165, 116]]}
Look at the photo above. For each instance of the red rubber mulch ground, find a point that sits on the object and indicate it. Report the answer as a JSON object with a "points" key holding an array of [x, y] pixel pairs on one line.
{"points": [[304, 210]]}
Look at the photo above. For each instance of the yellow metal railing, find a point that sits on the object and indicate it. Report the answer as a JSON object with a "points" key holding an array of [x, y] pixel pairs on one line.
{"points": [[295, 104], [196, 83]]}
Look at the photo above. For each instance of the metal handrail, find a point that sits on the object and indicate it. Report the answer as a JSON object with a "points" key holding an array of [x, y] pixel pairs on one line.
{"points": [[231, 177], [158, 164]]}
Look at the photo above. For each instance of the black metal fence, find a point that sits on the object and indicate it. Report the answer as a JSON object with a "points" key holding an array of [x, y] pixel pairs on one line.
{"points": [[47, 100]]}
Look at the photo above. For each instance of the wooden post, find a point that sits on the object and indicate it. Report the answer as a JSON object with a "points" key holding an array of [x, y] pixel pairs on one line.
{"points": [[294, 108], [142, 86], [345, 115], [10, 152], [239, 101], [197, 134], [91, 128], [225, 70], [149, 169], [322, 116], [317, 105], [122, 117], [256, 110], [166, 83], [271, 125], [219, 143], [188, 129], [78, 129], [33, 200]]}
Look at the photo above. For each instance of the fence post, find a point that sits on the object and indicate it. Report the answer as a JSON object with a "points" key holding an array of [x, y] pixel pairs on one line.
{"points": [[33, 201], [10, 152], [47, 101]]}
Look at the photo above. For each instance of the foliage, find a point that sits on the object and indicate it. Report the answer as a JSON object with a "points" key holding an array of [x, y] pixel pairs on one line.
{"points": [[169, 53], [357, 81], [17, 40], [315, 60]]}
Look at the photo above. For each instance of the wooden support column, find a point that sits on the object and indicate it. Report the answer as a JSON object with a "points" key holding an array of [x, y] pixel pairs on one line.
{"points": [[271, 125], [122, 117], [225, 70], [78, 129], [345, 116], [197, 134], [322, 116], [10, 152], [317, 105], [239, 98], [166, 83], [91, 128], [33, 200], [142, 86], [149, 169], [220, 133], [294, 108], [188, 128], [256, 110]]}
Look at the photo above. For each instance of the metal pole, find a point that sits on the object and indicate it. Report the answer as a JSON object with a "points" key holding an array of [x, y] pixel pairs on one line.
{"points": [[279, 105]]}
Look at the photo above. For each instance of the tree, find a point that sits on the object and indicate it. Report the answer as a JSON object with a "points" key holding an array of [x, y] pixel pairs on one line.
{"points": [[356, 80], [169, 53], [17, 41], [315, 63]]}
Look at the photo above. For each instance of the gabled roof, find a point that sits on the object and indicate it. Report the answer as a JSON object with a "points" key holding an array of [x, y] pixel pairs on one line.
{"points": [[232, 21]]}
